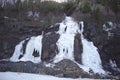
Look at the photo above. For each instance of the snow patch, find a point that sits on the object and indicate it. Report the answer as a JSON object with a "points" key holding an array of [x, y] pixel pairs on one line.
{"points": [[114, 65], [28, 76], [108, 27]]}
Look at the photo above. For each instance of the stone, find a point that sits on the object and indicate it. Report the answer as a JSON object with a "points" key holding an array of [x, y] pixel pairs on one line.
{"points": [[78, 48], [49, 47]]}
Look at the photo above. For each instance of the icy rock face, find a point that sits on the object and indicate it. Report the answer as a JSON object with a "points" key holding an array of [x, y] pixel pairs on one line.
{"points": [[34, 44], [90, 55], [67, 30], [58, 45]]}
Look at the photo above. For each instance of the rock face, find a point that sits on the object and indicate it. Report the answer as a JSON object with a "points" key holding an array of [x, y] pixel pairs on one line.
{"points": [[49, 49], [65, 68]]}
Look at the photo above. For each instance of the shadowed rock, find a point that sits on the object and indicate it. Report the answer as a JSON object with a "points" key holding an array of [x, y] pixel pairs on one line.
{"points": [[78, 49]]}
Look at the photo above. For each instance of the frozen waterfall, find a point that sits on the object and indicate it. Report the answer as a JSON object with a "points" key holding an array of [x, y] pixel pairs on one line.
{"points": [[35, 43], [67, 30]]}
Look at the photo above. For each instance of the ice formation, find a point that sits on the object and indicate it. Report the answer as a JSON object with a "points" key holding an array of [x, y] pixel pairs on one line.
{"points": [[35, 43], [67, 31]]}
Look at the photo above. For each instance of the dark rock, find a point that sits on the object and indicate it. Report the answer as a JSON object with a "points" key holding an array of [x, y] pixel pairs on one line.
{"points": [[49, 47], [35, 53], [69, 68], [78, 48], [94, 32], [24, 45], [53, 28]]}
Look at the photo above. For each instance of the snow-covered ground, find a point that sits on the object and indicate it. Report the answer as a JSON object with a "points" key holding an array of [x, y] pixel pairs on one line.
{"points": [[28, 76]]}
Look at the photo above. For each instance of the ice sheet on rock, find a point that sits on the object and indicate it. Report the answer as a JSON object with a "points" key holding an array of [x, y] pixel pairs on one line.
{"points": [[17, 52], [35, 43], [67, 30], [90, 56]]}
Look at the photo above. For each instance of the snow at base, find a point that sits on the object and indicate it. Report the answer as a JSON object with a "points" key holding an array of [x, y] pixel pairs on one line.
{"points": [[35, 43], [28, 76]]}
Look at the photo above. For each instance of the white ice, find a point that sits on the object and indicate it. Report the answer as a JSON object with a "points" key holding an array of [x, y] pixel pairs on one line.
{"points": [[67, 30], [17, 52], [28, 76], [35, 43], [90, 56]]}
